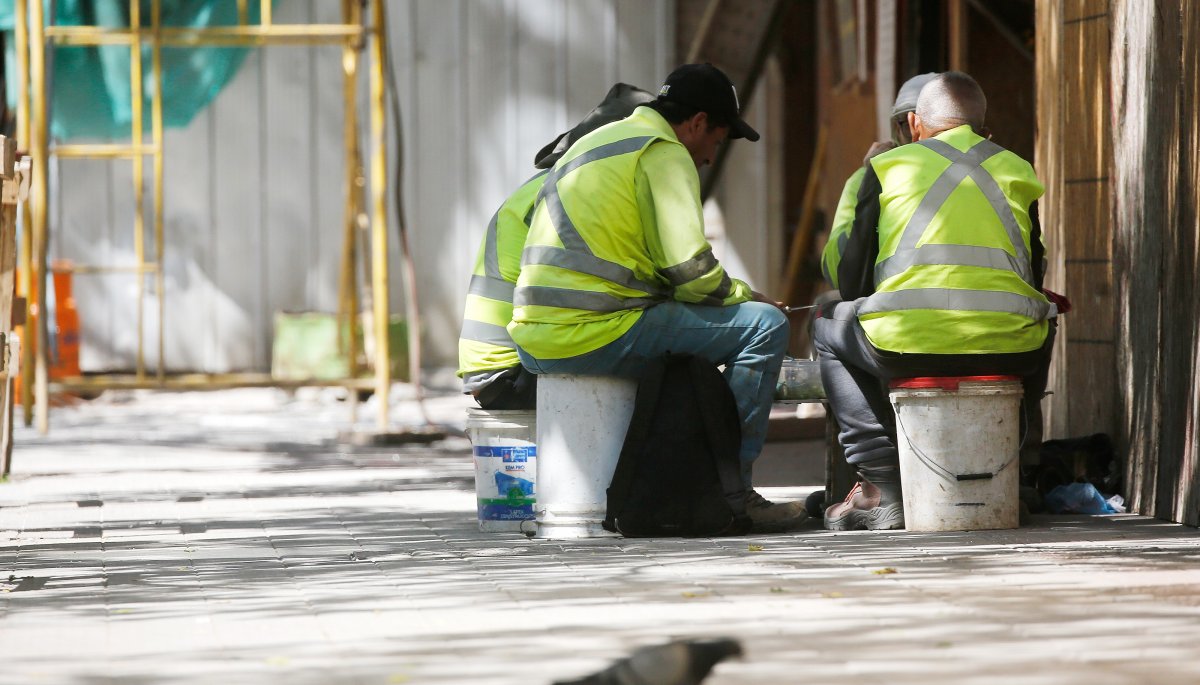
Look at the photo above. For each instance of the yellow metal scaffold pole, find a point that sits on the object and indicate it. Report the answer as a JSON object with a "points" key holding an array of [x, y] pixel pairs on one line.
{"points": [[34, 99], [379, 254], [25, 275], [39, 148]]}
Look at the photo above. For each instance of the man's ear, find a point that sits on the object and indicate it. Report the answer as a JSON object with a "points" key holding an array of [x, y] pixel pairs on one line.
{"points": [[914, 126]]}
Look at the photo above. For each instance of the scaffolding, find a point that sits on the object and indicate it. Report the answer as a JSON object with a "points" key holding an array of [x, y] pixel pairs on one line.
{"points": [[354, 34]]}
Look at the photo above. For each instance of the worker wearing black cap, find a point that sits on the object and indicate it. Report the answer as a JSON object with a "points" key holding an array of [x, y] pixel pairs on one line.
{"points": [[617, 272], [487, 360]]}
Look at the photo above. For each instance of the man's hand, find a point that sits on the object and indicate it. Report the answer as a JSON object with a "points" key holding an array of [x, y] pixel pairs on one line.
{"points": [[877, 148], [1059, 301], [759, 297]]}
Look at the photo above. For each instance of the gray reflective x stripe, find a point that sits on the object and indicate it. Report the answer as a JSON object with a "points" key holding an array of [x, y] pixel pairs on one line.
{"points": [[491, 288], [485, 333], [575, 255], [491, 254], [957, 300], [567, 233], [587, 264], [688, 271], [577, 299], [962, 165]]}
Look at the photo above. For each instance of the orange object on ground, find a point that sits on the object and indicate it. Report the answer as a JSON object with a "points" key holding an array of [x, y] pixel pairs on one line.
{"points": [[64, 353]]}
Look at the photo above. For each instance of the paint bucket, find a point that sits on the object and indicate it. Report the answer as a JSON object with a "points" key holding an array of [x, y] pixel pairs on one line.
{"points": [[505, 452], [582, 421], [959, 442]]}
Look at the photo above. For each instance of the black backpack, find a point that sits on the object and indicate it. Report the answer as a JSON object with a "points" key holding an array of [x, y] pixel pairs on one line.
{"points": [[679, 474]]}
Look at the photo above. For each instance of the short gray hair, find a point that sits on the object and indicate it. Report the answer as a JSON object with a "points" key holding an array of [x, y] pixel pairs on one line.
{"points": [[951, 99]]}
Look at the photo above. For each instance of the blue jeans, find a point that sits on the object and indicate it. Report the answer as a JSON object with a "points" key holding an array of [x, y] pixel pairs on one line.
{"points": [[749, 339]]}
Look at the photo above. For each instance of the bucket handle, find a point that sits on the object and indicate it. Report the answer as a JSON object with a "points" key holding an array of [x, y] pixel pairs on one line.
{"points": [[938, 468]]}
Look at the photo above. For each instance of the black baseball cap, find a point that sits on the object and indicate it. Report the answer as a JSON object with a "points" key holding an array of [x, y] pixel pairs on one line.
{"points": [[707, 89]]}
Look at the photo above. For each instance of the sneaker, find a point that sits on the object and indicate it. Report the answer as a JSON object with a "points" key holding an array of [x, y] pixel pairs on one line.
{"points": [[771, 517], [868, 507]]}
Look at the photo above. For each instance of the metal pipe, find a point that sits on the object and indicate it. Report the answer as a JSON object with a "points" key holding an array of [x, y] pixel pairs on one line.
{"points": [[212, 36], [156, 132], [348, 304], [139, 219], [264, 12], [379, 242], [106, 269], [102, 151], [25, 271], [243, 10], [200, 381], [38, 190]]}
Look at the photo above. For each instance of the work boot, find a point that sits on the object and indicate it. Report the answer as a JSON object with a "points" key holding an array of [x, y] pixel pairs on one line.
{"points": [[771, 517], [874, 504]]}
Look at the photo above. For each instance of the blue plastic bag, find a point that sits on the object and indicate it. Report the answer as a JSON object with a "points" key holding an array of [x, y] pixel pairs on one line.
{"points": [[1077, 498]]}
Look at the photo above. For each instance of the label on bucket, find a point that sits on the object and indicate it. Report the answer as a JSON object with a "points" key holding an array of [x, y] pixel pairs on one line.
{"points": [[504, 481]]}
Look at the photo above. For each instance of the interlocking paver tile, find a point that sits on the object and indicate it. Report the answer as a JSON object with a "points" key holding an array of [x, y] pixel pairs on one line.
{"points": [[227, 538]]}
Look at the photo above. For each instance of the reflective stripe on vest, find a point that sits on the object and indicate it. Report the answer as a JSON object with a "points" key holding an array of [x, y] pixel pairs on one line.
{"points": [[575, 254], [492, 284], [955, 299], [489, 333], [963, 165], [492, 288]]}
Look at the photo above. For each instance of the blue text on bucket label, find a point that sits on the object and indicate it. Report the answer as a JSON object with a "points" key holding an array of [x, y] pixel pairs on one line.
{"points": [[507, 454]]}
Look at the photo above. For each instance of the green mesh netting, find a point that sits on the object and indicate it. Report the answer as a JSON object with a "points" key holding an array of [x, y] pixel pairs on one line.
{"points": [[90, 95]]}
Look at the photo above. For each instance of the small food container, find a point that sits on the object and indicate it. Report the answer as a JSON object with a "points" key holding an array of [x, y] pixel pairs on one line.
{"points": [[800, 379]]}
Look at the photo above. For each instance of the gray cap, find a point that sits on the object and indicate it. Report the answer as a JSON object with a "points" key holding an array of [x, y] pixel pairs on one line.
{"points": [[906, 99]]}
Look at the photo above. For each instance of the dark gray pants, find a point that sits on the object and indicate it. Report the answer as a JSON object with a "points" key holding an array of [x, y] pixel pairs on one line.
{"points": [[856, 375]]}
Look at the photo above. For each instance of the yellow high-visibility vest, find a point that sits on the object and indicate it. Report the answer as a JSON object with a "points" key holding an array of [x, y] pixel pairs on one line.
{"points": [[484, 343], [954, 273], [843, 221], [601, 249]]}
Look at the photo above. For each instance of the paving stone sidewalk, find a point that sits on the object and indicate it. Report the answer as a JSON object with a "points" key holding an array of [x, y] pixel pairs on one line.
{"points": [[228, 538]]}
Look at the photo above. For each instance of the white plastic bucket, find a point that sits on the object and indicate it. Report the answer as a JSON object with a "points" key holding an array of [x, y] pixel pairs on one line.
{"points": [[505, 451], [959, 455], [581, 427]]}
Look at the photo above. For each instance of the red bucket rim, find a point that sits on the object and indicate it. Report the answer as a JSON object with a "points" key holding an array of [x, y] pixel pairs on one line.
{"points": [[944, 382]]}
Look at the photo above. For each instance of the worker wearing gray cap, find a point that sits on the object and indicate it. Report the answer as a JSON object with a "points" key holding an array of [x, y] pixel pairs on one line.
{"points": [[941, 276], [906, 101]]}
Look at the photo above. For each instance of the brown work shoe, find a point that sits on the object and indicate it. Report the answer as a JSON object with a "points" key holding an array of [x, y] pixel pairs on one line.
{"points": [[868, 507], [773, 517]]}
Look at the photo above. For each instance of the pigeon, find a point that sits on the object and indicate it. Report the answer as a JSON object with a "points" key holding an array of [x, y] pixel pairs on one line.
{"points": [[680, 662]]}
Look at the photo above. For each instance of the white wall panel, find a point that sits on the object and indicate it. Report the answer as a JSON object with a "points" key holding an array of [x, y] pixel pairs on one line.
{"points": [[254, 197]]}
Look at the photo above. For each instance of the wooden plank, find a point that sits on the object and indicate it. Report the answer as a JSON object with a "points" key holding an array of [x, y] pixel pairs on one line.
{"points": [[1092, 404], [1076, 10], [1085, 100], [1086, 229], [1091, 316]]}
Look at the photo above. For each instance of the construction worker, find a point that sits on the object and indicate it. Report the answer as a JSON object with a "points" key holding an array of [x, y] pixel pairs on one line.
{"points": [[843, 218], [487, 361], [941, 275], [617, 271]]}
